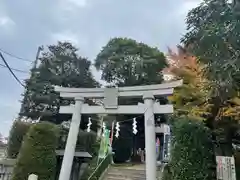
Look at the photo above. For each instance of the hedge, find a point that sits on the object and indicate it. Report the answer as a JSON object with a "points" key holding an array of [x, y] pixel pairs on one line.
{"points": [[84, 143], [17, 133], [167, 174], [192, 155], [93, 162], [102, 167], [37, 154]]}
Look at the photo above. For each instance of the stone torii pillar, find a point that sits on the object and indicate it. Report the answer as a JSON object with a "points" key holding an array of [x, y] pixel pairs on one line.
{"points": [[67, 162], [110, 97], [150, 136]]}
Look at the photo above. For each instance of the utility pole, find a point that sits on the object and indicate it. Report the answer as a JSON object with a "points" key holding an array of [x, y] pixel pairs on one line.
{"points": [[40, 48], [25, 98]]}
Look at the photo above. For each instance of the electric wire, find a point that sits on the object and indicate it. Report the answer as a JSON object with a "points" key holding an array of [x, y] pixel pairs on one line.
{"points": [[14, 56], [129, 119], [10, 70], [17, 70], [27, 60]]}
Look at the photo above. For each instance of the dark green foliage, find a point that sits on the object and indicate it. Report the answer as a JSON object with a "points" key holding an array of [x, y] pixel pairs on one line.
{"points": [[17, 133], [86, 141], [93, 162], [93, 172], [192, 156], [62, 66], [167, 174], [37, 154], [213, 36], [236, 8], [123, 145], [102, 167], [123, 149], [213, 31], [90, 168], [125, 62]]}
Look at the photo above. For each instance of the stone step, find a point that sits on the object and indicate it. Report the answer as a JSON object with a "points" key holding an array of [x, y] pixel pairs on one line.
{"points": [[124, 178], [136, 172], [123, 175], [127, 171]]}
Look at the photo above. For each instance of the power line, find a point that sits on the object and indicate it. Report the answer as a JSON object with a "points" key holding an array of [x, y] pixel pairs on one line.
{"points": [[6, 64], [17, 70], [17, 57]]}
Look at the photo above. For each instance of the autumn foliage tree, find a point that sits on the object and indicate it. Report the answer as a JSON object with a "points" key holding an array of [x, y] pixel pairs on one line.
{"points": [[193, 98], [190, 98]]}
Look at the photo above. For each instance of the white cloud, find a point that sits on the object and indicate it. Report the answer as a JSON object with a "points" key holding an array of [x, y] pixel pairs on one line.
{"points": [[88, 24], [6, 21], [9, 111], [187, 6], [79, 3], [7, 27], [65, 36], [72, 5]]}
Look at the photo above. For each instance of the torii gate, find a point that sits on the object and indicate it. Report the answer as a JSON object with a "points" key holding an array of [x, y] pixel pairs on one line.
{"points": [[110, 98]]}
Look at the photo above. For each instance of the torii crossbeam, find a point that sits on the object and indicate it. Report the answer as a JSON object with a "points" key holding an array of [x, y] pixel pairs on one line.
{"points": [[110, 99]]}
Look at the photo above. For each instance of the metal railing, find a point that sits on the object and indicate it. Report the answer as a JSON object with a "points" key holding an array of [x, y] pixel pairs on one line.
{"points": [[101, 167]]}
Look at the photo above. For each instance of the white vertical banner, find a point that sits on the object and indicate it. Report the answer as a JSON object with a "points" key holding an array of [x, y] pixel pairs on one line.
{"points": [[166, 129], [225, 168]]}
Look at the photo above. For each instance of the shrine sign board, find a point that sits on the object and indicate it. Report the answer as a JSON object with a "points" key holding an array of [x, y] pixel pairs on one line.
{"points": [[225, 168]]}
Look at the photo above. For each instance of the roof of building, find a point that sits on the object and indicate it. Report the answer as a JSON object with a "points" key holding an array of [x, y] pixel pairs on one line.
{"points": [[77, 153], [2, 146], [7, 161]]}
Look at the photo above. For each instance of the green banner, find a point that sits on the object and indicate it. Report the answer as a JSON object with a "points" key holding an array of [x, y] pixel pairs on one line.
{"points": [[104, 144]]}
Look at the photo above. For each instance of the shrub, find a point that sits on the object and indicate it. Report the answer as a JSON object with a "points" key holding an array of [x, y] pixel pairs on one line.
{"points": [[123, 149], [104, 164], [85, 142], [93, 162], [192, 155], [17, 133], [37, 154], [167, 174], [122, 146]]}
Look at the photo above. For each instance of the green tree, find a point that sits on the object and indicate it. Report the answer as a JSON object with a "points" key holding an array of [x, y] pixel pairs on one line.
{"points": [[213, 35], [17, 134], [37, 154], [60, 65], [125, 62], [191, 98]]}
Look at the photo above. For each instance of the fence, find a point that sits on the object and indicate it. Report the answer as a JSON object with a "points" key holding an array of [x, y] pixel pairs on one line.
{"points": [[6, 168]]}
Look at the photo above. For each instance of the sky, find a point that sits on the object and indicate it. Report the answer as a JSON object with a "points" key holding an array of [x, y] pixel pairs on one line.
{"points": [[88, 24]]}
